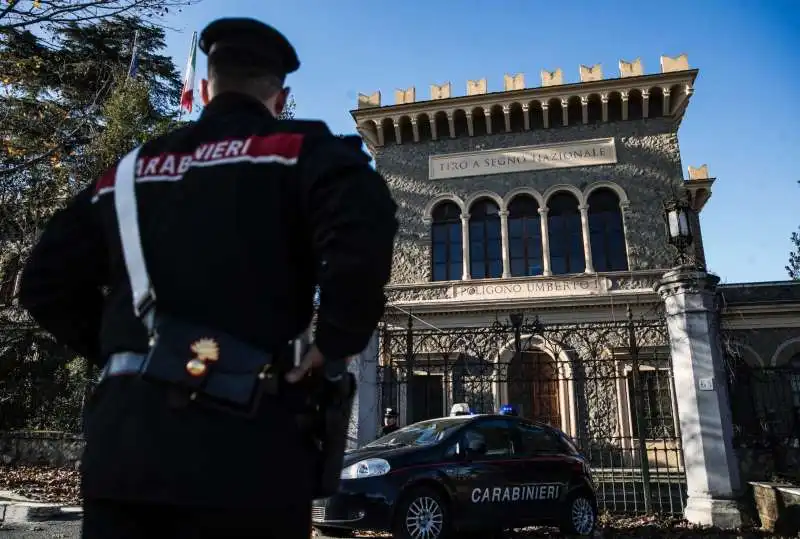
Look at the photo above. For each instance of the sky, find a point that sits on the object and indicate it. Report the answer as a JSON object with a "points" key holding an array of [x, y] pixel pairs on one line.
{"points": [[742, 120]]}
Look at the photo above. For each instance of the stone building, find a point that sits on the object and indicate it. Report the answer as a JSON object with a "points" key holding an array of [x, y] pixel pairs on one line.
{"points": [[530, 269]]}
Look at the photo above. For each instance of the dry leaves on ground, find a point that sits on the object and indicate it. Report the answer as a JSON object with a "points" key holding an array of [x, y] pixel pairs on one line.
{"points": [[62, 485], [54, 485]]}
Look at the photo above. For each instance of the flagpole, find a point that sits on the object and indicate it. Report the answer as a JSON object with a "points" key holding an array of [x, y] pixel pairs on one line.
{"points": [[133, 52]]}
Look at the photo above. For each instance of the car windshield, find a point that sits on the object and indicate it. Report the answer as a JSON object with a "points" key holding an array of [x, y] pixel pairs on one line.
{"points": [[422, 433]]}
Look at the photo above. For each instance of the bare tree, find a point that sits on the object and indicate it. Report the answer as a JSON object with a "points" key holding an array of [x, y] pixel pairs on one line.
{"points": [[27, 13]]}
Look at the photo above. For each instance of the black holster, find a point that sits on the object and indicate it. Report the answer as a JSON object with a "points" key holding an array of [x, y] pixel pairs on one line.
{"points": [[327, 423]]}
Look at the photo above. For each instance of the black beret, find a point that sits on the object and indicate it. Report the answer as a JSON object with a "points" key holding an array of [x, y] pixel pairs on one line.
{"points": [[250, 41]]}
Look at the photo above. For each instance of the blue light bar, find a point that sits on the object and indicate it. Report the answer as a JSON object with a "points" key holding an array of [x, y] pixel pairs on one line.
{"points": [[508, 409]]}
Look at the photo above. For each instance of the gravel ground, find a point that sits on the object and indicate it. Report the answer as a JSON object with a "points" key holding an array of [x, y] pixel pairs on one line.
{"points": [[66, 529]]}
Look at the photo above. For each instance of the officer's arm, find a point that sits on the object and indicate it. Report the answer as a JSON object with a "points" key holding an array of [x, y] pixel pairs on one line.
{"points": [[353, 224], [62, 277]]}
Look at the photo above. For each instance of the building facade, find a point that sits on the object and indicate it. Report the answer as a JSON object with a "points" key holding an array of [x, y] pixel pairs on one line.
{"points": [[531, 246]]}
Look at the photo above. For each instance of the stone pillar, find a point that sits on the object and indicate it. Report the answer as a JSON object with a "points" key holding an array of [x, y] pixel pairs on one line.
{"points": [[504, 243], [587, 244], [545, 242], [604, 101], [397, 135], [712, 469], [365, 415], [465, 246], [584, 109], [526, 118], [624, 105]]}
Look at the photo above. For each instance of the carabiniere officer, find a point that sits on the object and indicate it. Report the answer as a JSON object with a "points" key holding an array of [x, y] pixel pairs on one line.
{"points": [[241, 215]]}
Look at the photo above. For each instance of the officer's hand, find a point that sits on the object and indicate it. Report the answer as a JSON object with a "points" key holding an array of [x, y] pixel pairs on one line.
{"points": [[312, 360]]}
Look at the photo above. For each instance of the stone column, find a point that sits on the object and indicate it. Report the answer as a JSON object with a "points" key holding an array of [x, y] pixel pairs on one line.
{"points": [[526, 118], [624, 105], [712, 469], [504, 243], [604, 101], [587, 244], [366, 413], [397, 135], [465, 246], [545, 242], [584, 109]]}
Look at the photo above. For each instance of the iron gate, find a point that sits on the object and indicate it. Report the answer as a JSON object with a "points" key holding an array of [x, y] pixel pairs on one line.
{"points": [[608, 385]]}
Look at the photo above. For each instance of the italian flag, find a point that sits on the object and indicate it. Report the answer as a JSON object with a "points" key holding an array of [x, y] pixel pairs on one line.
{"points": [[187, 94]]}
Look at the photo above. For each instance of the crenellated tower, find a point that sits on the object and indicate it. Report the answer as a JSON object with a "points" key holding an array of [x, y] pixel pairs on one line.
{"points": [[583, 167]]}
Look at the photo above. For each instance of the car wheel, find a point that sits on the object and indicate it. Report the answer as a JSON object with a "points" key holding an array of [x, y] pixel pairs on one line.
{"points": [[581, 515], [323, 532], [422, 514]]}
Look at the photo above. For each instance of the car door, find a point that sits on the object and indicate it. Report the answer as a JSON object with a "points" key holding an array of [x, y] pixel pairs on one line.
{"points": [[483, 475], [545, 470]]}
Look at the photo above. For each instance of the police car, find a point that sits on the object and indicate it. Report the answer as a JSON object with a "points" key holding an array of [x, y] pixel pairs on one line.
{"points": [[462, 473]]}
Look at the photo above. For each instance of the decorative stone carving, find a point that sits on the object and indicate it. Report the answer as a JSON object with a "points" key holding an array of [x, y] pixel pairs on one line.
{"points": [[513, 82], [421, 293], [552, 78], [590, 73], [476, 87], [698, 173], [368, 101], [631, 69], [674, 63], [401, 97], [440, 92]]}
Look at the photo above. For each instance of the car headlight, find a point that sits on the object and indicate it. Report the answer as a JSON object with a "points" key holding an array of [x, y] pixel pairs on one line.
{"points": [[366, 468]]}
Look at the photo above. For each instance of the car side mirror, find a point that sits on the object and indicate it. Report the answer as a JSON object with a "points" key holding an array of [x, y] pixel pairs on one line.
{"points": [[476, 447]]}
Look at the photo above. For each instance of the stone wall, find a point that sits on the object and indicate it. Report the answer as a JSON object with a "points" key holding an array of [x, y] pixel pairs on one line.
{"points": [[41, 448], [648, 168]]}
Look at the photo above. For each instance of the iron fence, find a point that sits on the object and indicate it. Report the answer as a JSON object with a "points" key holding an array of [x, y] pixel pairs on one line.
{"points": [[607, 385], [765, 407]]}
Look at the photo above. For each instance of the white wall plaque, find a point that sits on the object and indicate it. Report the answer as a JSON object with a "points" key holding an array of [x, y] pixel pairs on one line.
{"points": [[522, 159], [706, 384]]}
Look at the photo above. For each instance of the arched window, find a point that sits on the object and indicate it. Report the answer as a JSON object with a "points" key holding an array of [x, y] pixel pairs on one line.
{"points": [[447, 250], [606, 232], [566, 235], [484, 240], [524, 236]]}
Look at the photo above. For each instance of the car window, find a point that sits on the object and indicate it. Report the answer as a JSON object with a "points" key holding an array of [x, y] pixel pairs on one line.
{"points": [[536, 440], [495, 434], [422, 433]]}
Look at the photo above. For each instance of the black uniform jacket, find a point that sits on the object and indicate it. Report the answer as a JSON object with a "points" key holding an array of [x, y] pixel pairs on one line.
{"points": [[240, 215]]}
